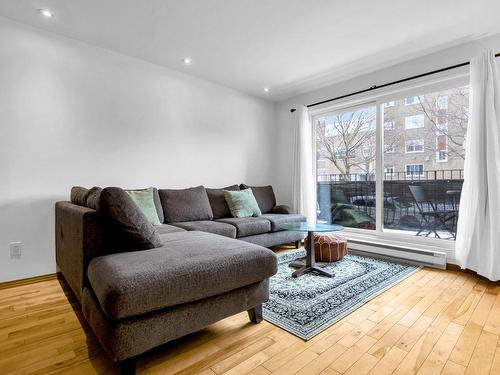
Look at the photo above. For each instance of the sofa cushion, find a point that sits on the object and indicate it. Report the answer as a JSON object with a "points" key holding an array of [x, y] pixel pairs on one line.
{"points": [[165, 229], [215, 227], [185, 204], [129, 229], [78, 195], [94, 198], [278, 219], [218, 203], [275, 238], [190, 266], [282, 209], [248, 226], [264, 196]]}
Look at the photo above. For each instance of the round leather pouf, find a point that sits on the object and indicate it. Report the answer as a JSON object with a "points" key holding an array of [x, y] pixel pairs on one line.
{"points": [[329, 247]]}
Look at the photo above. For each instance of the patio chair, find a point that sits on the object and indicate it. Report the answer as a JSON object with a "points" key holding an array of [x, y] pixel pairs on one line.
{"points": [[432, 219]]}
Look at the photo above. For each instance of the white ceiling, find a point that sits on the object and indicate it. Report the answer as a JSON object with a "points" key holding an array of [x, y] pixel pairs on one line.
{"points": [[290, 46]]}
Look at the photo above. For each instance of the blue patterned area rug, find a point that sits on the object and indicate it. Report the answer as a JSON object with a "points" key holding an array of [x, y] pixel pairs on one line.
{"points": [[307, 305]]}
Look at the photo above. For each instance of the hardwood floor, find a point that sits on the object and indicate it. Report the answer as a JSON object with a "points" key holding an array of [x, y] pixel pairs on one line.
{"points": [[434, 322]]}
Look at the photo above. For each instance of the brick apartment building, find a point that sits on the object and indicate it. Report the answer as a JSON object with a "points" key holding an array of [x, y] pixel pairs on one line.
{"points": [[422, 134]]}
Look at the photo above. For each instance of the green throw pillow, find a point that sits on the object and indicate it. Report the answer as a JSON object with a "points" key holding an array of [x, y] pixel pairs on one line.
{"points": [[144, 199], [242, 203]]}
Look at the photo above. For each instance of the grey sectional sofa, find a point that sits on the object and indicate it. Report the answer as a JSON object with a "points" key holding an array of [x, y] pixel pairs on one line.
{"points": [[160, 283], [206, 210]]}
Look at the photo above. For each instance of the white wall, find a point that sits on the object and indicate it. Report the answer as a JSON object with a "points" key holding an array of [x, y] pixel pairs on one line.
{"points": [[73, 114], [284, 119]]}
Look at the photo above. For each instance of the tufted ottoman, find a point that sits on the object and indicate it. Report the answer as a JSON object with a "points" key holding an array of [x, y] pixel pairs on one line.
{"points": [[329, 247]]}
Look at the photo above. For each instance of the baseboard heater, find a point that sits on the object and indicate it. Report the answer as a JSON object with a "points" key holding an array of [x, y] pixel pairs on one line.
{"points": [[430, 258]]}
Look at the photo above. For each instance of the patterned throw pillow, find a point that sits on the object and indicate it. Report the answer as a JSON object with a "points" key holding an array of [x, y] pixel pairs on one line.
{"points": [[242, 203], [145, 200]]}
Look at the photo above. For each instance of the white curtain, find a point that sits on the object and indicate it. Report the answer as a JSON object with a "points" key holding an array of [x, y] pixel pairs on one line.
{"points": [[478, 233], [303, 186]]}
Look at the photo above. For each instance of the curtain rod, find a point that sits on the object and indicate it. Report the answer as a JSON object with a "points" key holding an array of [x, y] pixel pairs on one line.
{"points": [[374, 87]]}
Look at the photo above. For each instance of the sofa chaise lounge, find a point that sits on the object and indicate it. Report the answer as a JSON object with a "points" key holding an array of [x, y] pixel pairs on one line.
{"points": [[201, 266]]}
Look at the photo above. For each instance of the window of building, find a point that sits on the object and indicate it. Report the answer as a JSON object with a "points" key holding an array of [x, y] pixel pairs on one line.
{"points": [[414, 170], [321, 166], [410, 100], [389, 171], [442, 119], [442, 102], [414, 122], [389, 124], [413, 146], [390, 149], [367, 152], [389, 104], [340, 154], [441, 148]]}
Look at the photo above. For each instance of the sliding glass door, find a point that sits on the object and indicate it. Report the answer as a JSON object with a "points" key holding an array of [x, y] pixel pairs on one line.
{"points": [[393, 167], [424, 138]]}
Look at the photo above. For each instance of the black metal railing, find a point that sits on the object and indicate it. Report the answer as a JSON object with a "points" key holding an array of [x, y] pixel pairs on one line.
{"points": [[350, 199]]}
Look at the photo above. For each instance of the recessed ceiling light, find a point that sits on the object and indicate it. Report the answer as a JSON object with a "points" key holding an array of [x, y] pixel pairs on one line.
{"points": [[46, 13], [186, 60], [266, 89]]}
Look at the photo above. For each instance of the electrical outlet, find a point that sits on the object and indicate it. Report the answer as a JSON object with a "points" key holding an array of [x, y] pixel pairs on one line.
{"points": [[15, 250]]}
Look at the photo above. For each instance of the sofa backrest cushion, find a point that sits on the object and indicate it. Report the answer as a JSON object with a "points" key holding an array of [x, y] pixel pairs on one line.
{"points": [[94, 197], [78, 195], [218, 203], [128, 227], [264, 196], [181, 205]]}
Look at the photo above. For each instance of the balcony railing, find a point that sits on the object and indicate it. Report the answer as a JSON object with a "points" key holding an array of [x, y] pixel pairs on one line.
{"points": [[350, 200]]}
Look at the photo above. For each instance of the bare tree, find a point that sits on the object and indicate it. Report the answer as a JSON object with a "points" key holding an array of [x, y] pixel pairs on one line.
{"points": [[449, 120], [349, 141]]}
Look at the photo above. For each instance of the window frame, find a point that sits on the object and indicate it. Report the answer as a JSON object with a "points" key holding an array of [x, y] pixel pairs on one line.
{"points": [[438, 100], [392, 149], [413, 102], [393, 125], [415, 127], [413, 175], [441, 81], [415, 142], [438, 151], [392, 173]]}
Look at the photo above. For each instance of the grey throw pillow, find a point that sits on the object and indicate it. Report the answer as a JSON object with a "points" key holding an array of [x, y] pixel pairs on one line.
{"points": [[218, 203], [128, 227], [181, 205], [264, 195]]}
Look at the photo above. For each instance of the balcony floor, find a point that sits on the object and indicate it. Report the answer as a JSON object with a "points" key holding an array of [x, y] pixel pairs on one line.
{"points": [[445, 235]]}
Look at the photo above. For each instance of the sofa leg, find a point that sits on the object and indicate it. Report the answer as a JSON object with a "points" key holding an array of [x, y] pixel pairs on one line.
{"points": [[127, 366], [255, 314], [297, 244]]}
